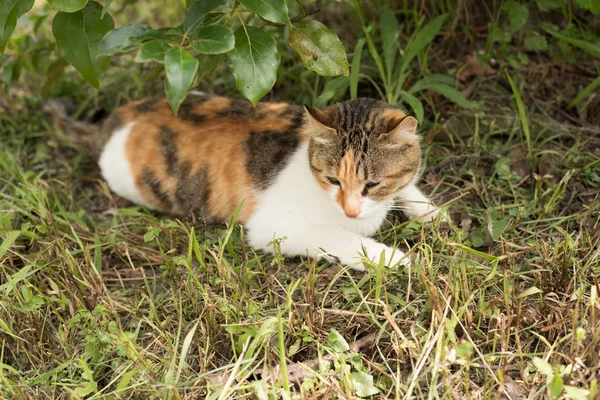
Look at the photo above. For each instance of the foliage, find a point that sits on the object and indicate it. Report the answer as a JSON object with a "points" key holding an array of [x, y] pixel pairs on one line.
{"points": [[84, 34]]}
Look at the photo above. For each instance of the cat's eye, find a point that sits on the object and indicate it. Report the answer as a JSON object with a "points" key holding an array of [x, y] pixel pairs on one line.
{"points": [[368, 186], [333, 181]]}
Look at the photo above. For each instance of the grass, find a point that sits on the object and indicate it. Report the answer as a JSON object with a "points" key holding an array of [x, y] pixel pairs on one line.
{"points": [[100, 298]]}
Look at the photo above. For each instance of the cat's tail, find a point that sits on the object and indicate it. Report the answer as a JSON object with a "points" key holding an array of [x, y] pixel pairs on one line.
{"points": [[89, 136]]}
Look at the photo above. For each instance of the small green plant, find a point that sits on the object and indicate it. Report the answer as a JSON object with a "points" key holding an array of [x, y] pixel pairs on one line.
{"points": [[395, 68]]}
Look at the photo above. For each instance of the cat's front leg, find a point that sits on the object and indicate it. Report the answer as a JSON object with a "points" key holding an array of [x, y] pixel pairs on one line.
{"points": [[416, 204], [336, 243]]}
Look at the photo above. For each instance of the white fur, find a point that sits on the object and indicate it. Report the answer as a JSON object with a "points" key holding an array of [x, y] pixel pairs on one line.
{"points": [[416, 204], [297, 208], [115, 167]]}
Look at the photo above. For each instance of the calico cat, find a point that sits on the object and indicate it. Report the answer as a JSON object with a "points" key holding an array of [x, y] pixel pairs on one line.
{"points": [[324, 180]]}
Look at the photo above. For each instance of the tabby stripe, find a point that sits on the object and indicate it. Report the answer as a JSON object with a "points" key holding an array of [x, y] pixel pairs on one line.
{"points": [[153, 183]]}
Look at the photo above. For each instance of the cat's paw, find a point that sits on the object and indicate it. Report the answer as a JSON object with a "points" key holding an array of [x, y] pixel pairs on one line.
{"points": [[394, 258]]}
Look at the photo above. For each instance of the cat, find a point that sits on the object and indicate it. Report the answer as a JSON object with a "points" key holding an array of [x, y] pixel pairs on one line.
{"points": [[322, 181]]}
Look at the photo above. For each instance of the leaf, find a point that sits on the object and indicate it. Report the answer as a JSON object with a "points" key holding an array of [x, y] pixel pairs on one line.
{"points": [[363, 384], [414, 103], [535, 41], [334, 88], [355, 69], [185, 348], [105, 8], [336, 341], [67, 5], [543, 366], [78, 37], [320, 48], [152, 51], [271, 10], [124, 382], [123, 38], [575, 393], [423, 38], [254, 62], [592, 5], [8, 241], [588, 47], [518, 14], [181, 68], [214, 39], [556, 386], [464, 349], [547, 5], [390, 30], [208, 64], [529, 292], [497, 227], [196, 13], [448, 92], [10, 11], [586, 92]]}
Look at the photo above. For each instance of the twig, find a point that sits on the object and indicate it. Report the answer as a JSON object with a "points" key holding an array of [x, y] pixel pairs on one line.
{"points": [[306, 14]]}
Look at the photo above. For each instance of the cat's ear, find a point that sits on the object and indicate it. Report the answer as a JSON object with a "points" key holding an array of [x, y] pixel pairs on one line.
{"points": [[320, 123], [400, 128]]}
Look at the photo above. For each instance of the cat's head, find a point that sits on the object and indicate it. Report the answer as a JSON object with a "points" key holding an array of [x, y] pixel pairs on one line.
{"points": [[362, 152]]}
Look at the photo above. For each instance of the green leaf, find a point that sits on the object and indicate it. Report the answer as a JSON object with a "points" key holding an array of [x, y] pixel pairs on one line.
{"points": [[363, 384], [8, 241], [209, 64], [180, 67], [78, 37], [586, 92], [518, 14], [423, 38], [575, 393], [556, 386], [271, 10], [196, 13], [543, 366], [414, 103], [592, 5], [497, 227], [67, 5], [10, 11], [588, 47], [123, 39], [390, 30], [214, 39], [448, 92], [320, 48], [105, 8], [254, 62], [355, 69], [547, 5], [535, 41], [152, 51], [529, 292], [336, 342], [334, 88], [497, 34], [465, 349]]}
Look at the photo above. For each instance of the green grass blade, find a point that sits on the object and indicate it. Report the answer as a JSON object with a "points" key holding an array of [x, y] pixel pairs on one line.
{"points": [[522, 115], [355, 68], [585, 92]]}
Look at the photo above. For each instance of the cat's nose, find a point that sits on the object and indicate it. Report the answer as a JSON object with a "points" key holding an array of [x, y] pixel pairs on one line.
{"points": [[351, 212]]}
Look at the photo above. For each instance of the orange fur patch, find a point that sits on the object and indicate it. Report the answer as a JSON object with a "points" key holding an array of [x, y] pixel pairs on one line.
{"points": [[350, 193], [214, 145]]}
